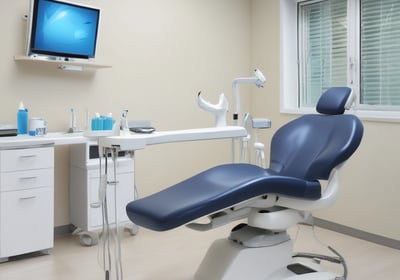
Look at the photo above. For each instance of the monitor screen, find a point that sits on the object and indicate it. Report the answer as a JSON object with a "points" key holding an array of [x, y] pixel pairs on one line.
{"points": [[62, 29]]}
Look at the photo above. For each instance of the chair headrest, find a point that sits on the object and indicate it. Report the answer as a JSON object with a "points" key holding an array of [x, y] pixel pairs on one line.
{"points": [[335, 101]]}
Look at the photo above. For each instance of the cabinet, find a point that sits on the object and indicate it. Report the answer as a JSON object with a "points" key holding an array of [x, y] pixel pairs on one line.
{"points": [[26, 200], [85, 208]]}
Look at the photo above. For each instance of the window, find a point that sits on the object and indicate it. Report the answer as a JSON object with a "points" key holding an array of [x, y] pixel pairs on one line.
{"points": [[341, 42], [322, 48], [380, 52]]}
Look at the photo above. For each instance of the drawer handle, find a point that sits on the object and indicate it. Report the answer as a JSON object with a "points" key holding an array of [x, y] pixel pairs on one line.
{"points": [[95, 205], [28, 178], [27, 197], [28, 156], [113, 183]]}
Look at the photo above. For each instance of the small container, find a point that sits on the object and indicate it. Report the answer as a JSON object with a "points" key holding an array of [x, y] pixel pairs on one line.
{"points": [[101, 123], [97, 122], [37, 127], [108, 122], [22, 119]]}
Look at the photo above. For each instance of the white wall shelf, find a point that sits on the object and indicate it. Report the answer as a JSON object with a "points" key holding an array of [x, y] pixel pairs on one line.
{"points": [[61, 64]]}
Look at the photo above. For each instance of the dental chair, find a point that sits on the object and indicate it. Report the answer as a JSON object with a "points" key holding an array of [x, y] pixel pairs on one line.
{"points": [[303, 153]]}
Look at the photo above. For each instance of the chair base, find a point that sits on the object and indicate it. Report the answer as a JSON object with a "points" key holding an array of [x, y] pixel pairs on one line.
{"points": [[230, 260]]}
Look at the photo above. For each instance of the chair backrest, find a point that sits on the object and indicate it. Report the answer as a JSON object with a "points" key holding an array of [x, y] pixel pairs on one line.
{"points": [[311, 146]]}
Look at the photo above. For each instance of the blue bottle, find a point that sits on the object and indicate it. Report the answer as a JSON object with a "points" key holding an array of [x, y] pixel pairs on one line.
{"points": [[22, 119], [101, 123], [108, 122], [97, 122]]}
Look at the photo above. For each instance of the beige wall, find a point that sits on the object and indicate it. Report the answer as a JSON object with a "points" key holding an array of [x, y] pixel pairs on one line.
{"points": [[370, 190], [162, 53]]}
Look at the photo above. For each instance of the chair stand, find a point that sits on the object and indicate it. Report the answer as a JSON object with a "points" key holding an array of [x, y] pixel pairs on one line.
{"points": [[256, 254]]}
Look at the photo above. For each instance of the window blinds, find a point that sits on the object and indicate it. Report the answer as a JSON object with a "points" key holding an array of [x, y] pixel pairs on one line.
{"points": [[380, 52], [322, 47]]}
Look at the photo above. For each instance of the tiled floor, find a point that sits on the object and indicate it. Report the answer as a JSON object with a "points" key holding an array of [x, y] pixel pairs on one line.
{"points": [[176, 254]]}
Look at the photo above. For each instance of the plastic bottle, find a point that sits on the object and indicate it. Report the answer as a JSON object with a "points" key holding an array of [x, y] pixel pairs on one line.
{"points": [[101, 122], [108, 122], [96, 122], [22, 119]]}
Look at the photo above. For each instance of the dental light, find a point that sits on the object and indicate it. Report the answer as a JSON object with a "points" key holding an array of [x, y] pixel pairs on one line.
{"points": [[219, 109], [258, 79]]}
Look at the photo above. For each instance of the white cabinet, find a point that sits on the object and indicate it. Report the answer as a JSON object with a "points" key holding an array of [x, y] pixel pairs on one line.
{"points": [[26, 200], [85, 207], [124, 193]]}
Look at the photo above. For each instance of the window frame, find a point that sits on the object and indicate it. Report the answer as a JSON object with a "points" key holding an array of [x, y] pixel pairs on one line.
{"points": [[289, 82]]}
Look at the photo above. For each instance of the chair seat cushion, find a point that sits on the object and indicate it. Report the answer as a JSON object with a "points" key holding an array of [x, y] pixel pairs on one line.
{"points": [[212, 190]]}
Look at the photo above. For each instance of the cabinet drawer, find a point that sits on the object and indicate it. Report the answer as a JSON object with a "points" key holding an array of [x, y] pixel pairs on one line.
{"points": [[123, 165], [125, 193], [26, 159], [20, 180], [26, 221]]}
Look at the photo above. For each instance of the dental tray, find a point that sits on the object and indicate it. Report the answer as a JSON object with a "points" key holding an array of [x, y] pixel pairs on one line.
{"points": [[147, 129], [8, 130]]}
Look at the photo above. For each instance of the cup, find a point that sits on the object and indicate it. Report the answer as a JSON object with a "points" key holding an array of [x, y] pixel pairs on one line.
{"points": [[37, 127]]}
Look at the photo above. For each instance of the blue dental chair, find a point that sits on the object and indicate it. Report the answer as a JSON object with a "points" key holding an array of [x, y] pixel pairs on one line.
{"points": [[305, 151]]}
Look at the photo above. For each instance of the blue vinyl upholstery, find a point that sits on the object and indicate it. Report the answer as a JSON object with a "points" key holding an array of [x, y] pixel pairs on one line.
{"points": [[333, 101], [312, 145], [302, 152]]}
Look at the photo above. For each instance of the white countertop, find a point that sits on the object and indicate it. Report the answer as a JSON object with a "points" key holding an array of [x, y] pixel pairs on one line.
{"points": [[56, 138], [132, 141]]}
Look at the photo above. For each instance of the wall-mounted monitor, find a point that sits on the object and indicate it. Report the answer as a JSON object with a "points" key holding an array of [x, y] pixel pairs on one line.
{"points": [[65, 30]]}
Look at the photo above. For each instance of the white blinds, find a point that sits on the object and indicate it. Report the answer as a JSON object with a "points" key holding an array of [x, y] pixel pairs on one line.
{"points": [[380, 52], [322, 47]]}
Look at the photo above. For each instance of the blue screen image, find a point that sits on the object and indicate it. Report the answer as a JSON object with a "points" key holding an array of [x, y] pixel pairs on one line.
{"points": [[65, 29]]}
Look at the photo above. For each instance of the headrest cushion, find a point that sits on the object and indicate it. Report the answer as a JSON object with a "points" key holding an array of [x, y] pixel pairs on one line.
{"points": [[335, 101]]}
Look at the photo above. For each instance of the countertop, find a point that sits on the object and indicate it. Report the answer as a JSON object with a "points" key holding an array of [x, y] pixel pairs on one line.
{"points": [[131, 141], [55, 138]]}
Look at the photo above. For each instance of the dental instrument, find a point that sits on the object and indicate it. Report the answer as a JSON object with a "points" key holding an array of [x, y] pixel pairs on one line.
{"points": [[110, 247], [245, 154], [259, 80], [124, 123], [304, 152], [250, 124], [73, 121], [219, 110], [259, 123]]}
